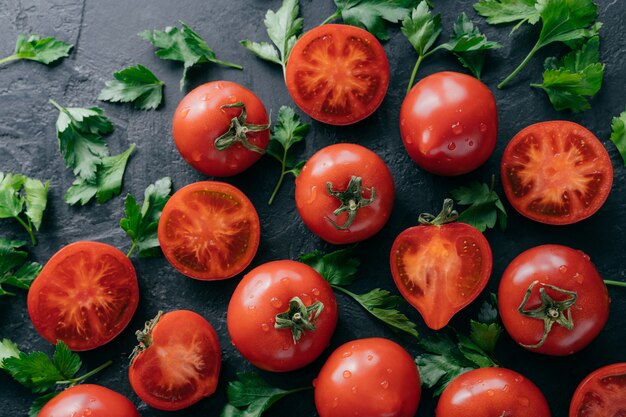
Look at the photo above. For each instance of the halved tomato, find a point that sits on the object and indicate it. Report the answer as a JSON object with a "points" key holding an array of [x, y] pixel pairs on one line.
{"points": [[85, 295], [177, 362], [556, 172], [601, 394], [209, 230], [337, 74], [440, 268]]}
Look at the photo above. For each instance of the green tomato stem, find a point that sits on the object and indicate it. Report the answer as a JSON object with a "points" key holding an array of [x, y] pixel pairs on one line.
{"points": [[73, 381], [9, 59], [614, 283], [520, 66], [332, 17], [29, 229], [414, 73]]}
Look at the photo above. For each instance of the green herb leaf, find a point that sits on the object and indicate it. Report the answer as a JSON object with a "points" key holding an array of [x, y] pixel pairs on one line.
{"points": [[338, 268], [18, 192], [67, 362], [14, 269], [35, 371], [485, 335], [287, 131], [8, 349], [141, 224], [618, 134], [372, 14], [485, 207], [134, 84], [421, 28], [36, 194], [489, 310], [34, 48], [569, 82], [39, 402], [508, 11], [383, 305], [183, 45], [250, 396], [263, 50], [11, 201]]}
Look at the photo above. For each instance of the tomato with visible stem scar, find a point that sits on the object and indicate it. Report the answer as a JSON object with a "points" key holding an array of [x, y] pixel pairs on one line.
{"points": [[602, 393], [440, 266]]}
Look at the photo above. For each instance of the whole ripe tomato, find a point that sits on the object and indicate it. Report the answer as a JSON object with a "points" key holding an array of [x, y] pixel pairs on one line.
{"points": [[221, 128], [209, 230], [282, 315], [552, 300], [345, 193], [337, 74], [449, 123], [368, 377], [556, 172], [440, 266], [89, 400], [177, 362], [85, 295], [602, 393], [492, 392]]}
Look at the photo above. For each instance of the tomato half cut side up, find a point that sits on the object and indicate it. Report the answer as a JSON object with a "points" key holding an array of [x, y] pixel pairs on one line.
{"points": [[85, 295], [337, 74], [602, 393], [556, 172], [440, 268], [209, 230]]}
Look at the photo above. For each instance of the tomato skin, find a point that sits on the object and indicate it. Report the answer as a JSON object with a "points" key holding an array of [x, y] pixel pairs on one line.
{"points": [[265, 292], [337, 164], [181, 366], [85, 295], [418, 257], [91, 400], [337, 74], [567, 269], [209, 230], [199, 120], [371, 377], [556, 172], [492, 392], [602, 393], [449, 123]]}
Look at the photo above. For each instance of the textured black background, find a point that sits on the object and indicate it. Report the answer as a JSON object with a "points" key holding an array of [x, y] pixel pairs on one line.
{"points": [[104, 34]]}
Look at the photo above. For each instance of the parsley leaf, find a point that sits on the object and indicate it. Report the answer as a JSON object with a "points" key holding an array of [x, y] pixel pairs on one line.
{"points": [[562, 21], [141, 224], [338, 268], [8, 349], [34, 48], [287, 131], [183, 45], [283, 28], [618, 134], [14, 269], [134, 84], [371, 14], [569, 81], [485, 207], [23, 199], [250, 396], [508, 11]]}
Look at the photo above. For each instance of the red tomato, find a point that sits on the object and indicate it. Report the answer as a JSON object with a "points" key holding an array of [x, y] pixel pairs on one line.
{"points": [[221, 128], [345, 193], [337, 74], [575, 304], [440, 268], [601, 394], [85, 295], [209, 230], [89, 400], [449, 123], [177, 362], [556, 172], [368, 377], [492, 392], [282, 315]]}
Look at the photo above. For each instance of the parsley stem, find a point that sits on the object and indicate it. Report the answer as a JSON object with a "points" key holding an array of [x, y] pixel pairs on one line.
{"points": [[615, 283], [57, 105], [74, 381], [520, 66], [132, 249], [283, 163], [29, 229], [9, 59], [414, 73], [332, 17], [227, 64]]}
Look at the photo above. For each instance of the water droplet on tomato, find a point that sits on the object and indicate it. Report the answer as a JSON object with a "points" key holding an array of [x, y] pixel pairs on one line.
{"points": [[562, 269], [384, 384], [402, 122], [315, 291], [354, 390], [579, 278], [313, 195], [471, 143], [284, 281], [347, 374], [370, 357], [265, 327], [196, 156], [335, 402], [490, 392], [276, 303], [87, 412], [519, 379], [452, 146], [389, 370], [205, 97], [483, 127], [457, 128], [219, 85], [346, 354], [523, 401], [232, 99], [506, 388], [409, 139], [306, 298]]}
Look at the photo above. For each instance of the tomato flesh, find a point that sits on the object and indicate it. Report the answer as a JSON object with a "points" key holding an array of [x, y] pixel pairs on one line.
{"points": [[440, 269], [338, 74], [556, 172], [601, 394], [85, 295], [209, 231]]}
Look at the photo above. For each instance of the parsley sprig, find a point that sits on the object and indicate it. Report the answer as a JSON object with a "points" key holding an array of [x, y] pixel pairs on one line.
{"points": [[508, 11], [34, 48], [40, 373], [339, 268], [135, 84], [23, 199], [485, 207], [618, 134], [15, 270]]}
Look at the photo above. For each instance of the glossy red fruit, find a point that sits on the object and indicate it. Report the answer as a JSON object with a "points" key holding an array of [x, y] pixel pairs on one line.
{"points": [[89, 400], [602, 393]]}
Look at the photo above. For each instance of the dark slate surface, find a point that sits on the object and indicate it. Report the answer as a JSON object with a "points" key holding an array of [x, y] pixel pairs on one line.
{"points": [[104, 33]]}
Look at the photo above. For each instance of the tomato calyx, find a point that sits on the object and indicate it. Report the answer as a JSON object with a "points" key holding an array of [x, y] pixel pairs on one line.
{"points": [[144, 337], [351, 200], [299, 317], [550, 310], [446, 215], [238, 131]]}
